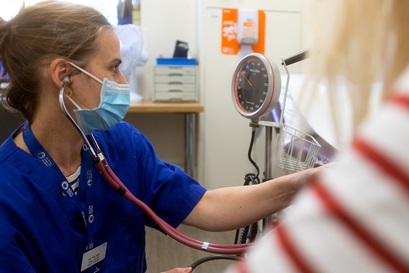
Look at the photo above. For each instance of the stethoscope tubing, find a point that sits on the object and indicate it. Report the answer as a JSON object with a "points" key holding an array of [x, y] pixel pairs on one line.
{"points": [[111, 178]]}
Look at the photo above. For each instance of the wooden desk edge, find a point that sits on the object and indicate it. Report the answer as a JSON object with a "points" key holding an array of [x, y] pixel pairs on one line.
{"points": [[165, 107]]}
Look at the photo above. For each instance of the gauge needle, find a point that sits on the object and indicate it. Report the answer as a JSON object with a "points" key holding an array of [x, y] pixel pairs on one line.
{"points": [[247, 79]]}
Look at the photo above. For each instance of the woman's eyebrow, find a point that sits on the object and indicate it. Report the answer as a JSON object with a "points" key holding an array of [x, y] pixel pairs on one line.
{"points": [[115, 61]]}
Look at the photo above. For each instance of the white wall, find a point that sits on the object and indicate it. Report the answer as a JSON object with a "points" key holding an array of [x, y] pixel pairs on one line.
{"points": [[162, 23], [223, 135]]}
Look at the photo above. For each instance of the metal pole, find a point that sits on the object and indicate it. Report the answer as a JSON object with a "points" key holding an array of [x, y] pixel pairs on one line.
{"points": [[190, 155], [267, 168]]}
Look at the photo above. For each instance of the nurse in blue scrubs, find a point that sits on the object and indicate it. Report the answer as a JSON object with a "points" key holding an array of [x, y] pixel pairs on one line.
{"points": [[57, 214]]}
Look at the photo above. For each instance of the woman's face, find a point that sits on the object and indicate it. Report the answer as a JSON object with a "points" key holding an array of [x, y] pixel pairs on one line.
{"points": [[104, 64]]}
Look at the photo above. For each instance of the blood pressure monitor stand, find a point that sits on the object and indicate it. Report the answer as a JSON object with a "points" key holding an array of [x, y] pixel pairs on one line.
{"points": [[295, 151]]}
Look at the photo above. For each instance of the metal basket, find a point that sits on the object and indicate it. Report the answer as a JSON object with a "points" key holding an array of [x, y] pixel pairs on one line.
{"points": [[296, 150]]}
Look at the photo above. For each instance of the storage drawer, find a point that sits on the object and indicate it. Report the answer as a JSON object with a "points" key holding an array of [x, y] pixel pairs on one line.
{"points": [[173, 87], [180, 78], [175, 96], [175, 70]]}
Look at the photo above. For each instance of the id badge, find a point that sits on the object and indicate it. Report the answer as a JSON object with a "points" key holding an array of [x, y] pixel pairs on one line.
{"points": [[93, 256]]}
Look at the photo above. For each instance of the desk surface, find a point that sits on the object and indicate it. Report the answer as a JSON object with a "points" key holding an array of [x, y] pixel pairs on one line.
{"points": [[165, 107]]}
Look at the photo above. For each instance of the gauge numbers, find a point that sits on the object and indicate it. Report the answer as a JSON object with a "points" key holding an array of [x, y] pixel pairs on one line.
{"points": [[253, 86]]}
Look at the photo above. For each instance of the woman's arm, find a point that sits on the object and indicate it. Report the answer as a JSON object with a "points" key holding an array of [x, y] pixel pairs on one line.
{"points": [[234, 207]]}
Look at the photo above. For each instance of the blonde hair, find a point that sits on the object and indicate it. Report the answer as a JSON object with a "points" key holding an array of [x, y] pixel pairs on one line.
{"points": [[38, 33], [363, 42]]}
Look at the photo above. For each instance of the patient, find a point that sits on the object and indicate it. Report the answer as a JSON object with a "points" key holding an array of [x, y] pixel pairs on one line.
{"points": [[355, 217]]}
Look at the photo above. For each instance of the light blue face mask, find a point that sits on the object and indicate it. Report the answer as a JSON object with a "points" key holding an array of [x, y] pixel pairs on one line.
{"points": [[113, 106]]}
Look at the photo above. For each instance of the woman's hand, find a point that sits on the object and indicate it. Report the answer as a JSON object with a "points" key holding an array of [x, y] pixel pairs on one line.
{"points": [[302, 178], [179, 270]]}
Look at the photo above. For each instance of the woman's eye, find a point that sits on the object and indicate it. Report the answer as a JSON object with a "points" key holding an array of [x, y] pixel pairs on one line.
{"points": [[115, 68]]}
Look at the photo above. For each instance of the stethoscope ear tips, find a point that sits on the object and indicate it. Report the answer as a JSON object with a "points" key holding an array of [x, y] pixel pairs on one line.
{"points": [[66, 80]]}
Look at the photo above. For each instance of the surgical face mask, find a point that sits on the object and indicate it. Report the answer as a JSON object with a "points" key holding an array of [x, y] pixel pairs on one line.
{"points": [[113, 106]]}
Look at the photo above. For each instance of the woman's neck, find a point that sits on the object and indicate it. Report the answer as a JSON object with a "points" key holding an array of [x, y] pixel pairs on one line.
{"points": [[55, 133], [60, 140]]}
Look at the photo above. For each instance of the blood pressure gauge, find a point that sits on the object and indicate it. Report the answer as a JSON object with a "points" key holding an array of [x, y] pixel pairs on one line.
{"points": [[256, 86]]}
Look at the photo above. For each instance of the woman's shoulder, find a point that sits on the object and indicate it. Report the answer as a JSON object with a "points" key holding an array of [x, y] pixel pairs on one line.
{"points": [[7, 148], [123, 131], [123, 138]]}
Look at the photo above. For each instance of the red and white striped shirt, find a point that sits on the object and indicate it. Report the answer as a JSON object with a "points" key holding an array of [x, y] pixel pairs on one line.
{"points": [[356, 217]]}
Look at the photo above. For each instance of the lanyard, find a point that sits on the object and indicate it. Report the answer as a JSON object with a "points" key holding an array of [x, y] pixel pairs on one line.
{"points": [[86, 180]]}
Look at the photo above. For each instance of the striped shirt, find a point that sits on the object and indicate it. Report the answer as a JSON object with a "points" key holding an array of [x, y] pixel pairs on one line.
{"points": [[356, 217], [74, 180]]}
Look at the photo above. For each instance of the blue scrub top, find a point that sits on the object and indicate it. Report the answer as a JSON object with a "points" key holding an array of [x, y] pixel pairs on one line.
{"points": [[43, 231]]}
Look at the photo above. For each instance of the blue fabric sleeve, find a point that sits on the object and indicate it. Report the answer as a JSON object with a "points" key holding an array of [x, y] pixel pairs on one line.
{"points": [[164, 187]]}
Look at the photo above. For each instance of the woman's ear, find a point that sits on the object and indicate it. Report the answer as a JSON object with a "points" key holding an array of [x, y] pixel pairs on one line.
{"points": [[60, 72]]}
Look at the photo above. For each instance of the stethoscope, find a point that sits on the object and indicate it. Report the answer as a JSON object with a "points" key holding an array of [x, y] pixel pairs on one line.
{"points": [[110, 177]]}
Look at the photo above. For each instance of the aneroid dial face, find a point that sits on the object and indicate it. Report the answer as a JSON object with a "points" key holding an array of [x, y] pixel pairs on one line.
{"points": [[252, 83], [256, 86]]}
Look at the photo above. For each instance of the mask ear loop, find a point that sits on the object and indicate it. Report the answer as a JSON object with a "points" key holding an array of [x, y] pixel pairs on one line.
{"points": [[68, 96], [65, 82], [86, 72]]}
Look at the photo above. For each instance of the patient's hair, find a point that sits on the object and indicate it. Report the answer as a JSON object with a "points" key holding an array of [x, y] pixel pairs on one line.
{"points": [[362, 41], [35, 36]]}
